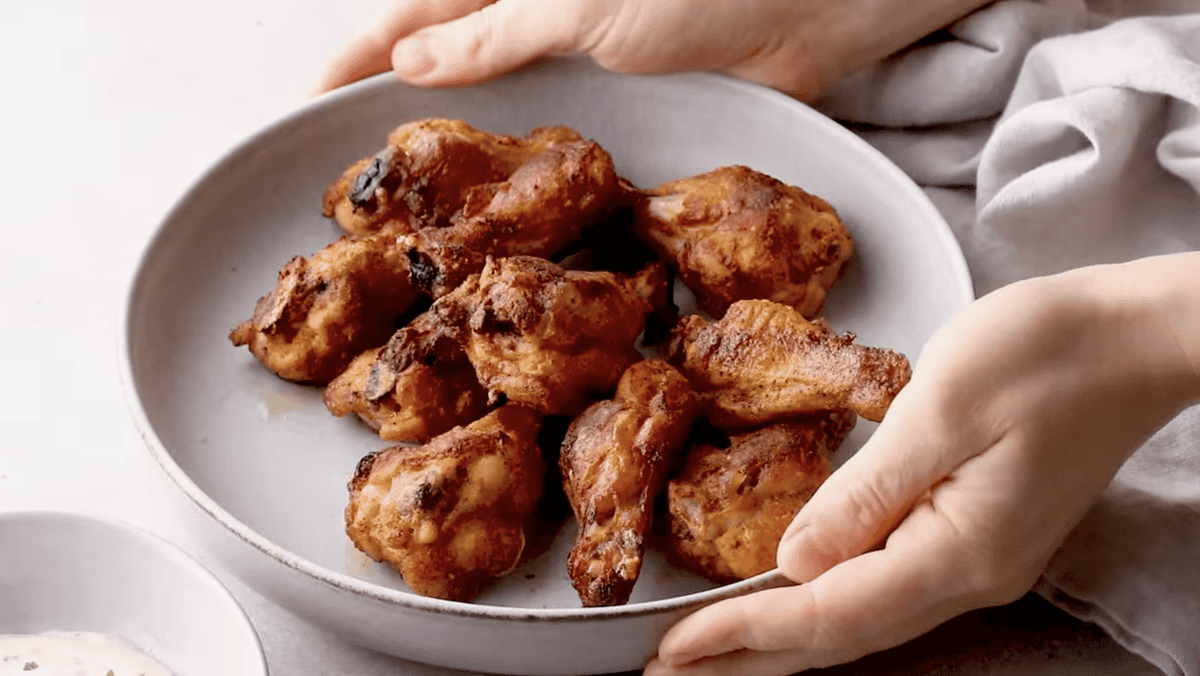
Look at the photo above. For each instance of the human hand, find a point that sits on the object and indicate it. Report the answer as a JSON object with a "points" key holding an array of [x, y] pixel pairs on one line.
{"points": [[797, 46], [1020, 411]]}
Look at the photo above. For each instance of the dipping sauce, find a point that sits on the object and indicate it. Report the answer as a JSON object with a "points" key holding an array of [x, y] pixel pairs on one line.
{"points": [[74, 653]]}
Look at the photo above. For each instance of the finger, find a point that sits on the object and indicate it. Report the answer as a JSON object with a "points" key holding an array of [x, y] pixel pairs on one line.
{"points": [[494, 40], [871, 602], [370, 51], [867, 496]]}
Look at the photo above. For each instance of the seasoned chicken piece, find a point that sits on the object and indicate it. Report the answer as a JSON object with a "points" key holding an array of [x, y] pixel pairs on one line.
{"points": [[546, 337], [417, 386], [734, 234], [729, 507], [427, 172], [764, 362], [327, 309], [450, 516], [545, 204], [614, 463]]}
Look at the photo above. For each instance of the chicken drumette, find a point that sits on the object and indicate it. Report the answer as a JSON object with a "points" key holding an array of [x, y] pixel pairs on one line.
{"points": [[546, 337], [764, 362], [614, 463], [451, 516], [545, 204], [417, 386], [429, 169], [729, 507], [327, 309], [734, 234]]}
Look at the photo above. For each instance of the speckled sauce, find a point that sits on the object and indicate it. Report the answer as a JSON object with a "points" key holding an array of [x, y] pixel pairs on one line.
{"points": [[61, 653]]}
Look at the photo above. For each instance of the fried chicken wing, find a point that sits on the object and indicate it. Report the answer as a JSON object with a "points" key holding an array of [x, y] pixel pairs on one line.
{"points": [[327, 309], [546, 337], [729, 507], [614, 463], [417, 386], [734, 234], [428, 171], [764, 362], [451, 515], [545, 204]]}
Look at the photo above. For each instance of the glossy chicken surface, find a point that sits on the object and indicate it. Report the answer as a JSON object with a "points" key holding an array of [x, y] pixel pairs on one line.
{"points": [[451, 515], [548, 338], [614, 463], [729, 507], [546, 203], [764, 362], [327, 309], [735, 233], [428, 171], [415, 387]]}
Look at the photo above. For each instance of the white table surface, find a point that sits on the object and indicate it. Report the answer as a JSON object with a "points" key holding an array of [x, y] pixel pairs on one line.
{"points": [[110, 109]]}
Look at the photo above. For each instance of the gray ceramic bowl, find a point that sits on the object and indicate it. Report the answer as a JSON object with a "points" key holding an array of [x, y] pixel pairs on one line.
{"points": [[72, 572], [267, 467]]}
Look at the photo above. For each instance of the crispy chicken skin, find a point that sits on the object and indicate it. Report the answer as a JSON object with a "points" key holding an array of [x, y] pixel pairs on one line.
{"points": [[417, 386], [546, 337], [545, 204], [614, 463], [734, 234], [764, 362], [729, 507], [450, 516], [327, 309], [429, 169]]}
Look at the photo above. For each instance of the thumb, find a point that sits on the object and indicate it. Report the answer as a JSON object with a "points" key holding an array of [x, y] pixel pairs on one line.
{"points": [[489, 42], [864, 500]]}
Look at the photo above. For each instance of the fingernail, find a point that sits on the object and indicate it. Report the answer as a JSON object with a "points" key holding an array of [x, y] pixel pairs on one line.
{"points": [[412, 56]]}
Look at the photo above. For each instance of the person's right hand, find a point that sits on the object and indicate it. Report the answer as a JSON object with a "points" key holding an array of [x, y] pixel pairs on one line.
{"points": [[797, 46], [1020, 411]]}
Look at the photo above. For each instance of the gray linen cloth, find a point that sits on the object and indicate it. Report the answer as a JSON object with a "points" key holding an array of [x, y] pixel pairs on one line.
{"points": [[1054, 134]]}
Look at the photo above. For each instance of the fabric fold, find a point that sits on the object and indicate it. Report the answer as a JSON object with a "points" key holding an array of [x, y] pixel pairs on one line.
{"points": [[980, 55]]}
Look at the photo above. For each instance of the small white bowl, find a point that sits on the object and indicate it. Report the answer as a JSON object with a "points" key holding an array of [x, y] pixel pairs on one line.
{"points": [[70, 572]]}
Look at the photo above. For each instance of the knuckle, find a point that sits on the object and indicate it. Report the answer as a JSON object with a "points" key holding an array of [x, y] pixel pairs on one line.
{"points": [[482, 40], [750, 630], [868, 505]]}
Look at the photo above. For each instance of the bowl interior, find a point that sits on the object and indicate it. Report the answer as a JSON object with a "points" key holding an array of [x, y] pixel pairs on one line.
{"points": [[64, 572], [274, 464]]}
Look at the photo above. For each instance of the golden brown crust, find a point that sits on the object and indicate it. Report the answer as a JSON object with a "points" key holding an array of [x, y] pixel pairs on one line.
{"points": [[427, 172], [450, 516], [545, 337], [734, 234], [545, 204], [614, 463], [327, 309], [412, 389], [729, 507], [765, 362]]}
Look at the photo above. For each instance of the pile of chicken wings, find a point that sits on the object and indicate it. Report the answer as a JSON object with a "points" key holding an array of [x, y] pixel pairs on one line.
{"points": [[502, 309]]}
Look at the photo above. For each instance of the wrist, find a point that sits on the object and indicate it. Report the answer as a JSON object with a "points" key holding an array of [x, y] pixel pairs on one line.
{"points": [[1155, 305]]}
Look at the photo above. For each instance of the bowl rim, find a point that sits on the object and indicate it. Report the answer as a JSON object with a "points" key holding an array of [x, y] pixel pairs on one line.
{"points": [[165, 550], [753, 92]]}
